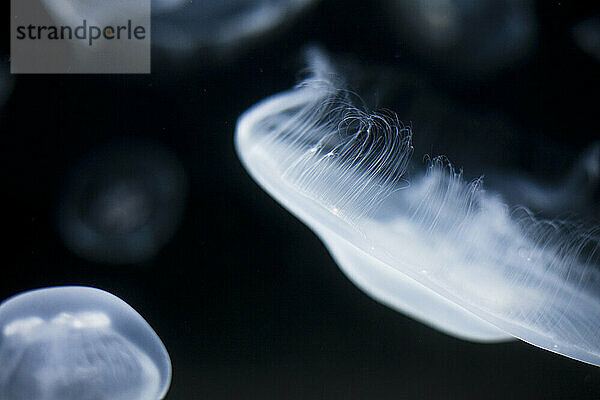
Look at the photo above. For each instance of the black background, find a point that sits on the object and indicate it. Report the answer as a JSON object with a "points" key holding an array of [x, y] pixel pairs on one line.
{"points": [[245, 297]]}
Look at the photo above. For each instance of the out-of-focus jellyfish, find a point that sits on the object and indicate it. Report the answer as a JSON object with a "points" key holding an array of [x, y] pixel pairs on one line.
{"points": [[587, 36], [472, 37], [219, 27], [429, 244], [98, 13], [123, 203], [90, 44], [78, 343], [578, 192]]}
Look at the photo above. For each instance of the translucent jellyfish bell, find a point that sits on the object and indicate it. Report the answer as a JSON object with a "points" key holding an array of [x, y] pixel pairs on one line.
{"points": [[78, 343], [428, 244], [123, 202]]}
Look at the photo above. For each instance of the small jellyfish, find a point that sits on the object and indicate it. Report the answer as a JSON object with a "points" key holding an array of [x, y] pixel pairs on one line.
{"points": [[123, 203], [426, 243], [473, 38], [78, 343], [220, 27]]}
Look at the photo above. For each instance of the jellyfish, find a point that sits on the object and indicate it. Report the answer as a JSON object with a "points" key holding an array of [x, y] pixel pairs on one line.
{"points": [[95, 37], [578, 190], [424, 241], [218, 27], [101, 14], [78, 343], [123, 203], [587, 36], [472, 38]]}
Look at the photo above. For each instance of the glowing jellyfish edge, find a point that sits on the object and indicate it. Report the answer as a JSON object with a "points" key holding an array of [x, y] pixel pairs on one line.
{"points": [[527, 281], [121, 356]]}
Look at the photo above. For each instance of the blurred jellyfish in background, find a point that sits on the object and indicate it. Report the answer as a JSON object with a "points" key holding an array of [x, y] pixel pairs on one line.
{"points": [[99, 13], [217, 28], [123, 202], [473, 38], [78, 343], [78, 53], [577, 192], [587, 36], [422, 240], [183, 27]]}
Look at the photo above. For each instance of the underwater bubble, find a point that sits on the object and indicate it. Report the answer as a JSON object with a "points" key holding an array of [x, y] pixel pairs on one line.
{"points": [[421, 240], [123, 203], [473, 38], [219, 26], [78, 343]]}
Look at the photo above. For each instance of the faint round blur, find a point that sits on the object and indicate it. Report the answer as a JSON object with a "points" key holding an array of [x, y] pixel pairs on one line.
{"points": [[587, 36], [123, 203], [472, 37]]}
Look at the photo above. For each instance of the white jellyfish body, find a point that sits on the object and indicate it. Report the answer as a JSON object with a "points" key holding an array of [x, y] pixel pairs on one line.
{"points": [[428, 244], [123, 203], [78, 343]]}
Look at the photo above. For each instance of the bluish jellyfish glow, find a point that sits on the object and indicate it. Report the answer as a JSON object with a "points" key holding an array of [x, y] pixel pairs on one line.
{"points": [[123, 203], [184, 26], [472, 37], [587, 36], [99, 13], [218, 26], [78, 343], [427, 243]]}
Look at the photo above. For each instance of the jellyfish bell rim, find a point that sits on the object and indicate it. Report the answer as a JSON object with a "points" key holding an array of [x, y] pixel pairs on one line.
{"points": [[321, 221], [67, 293], [457, 321]]}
